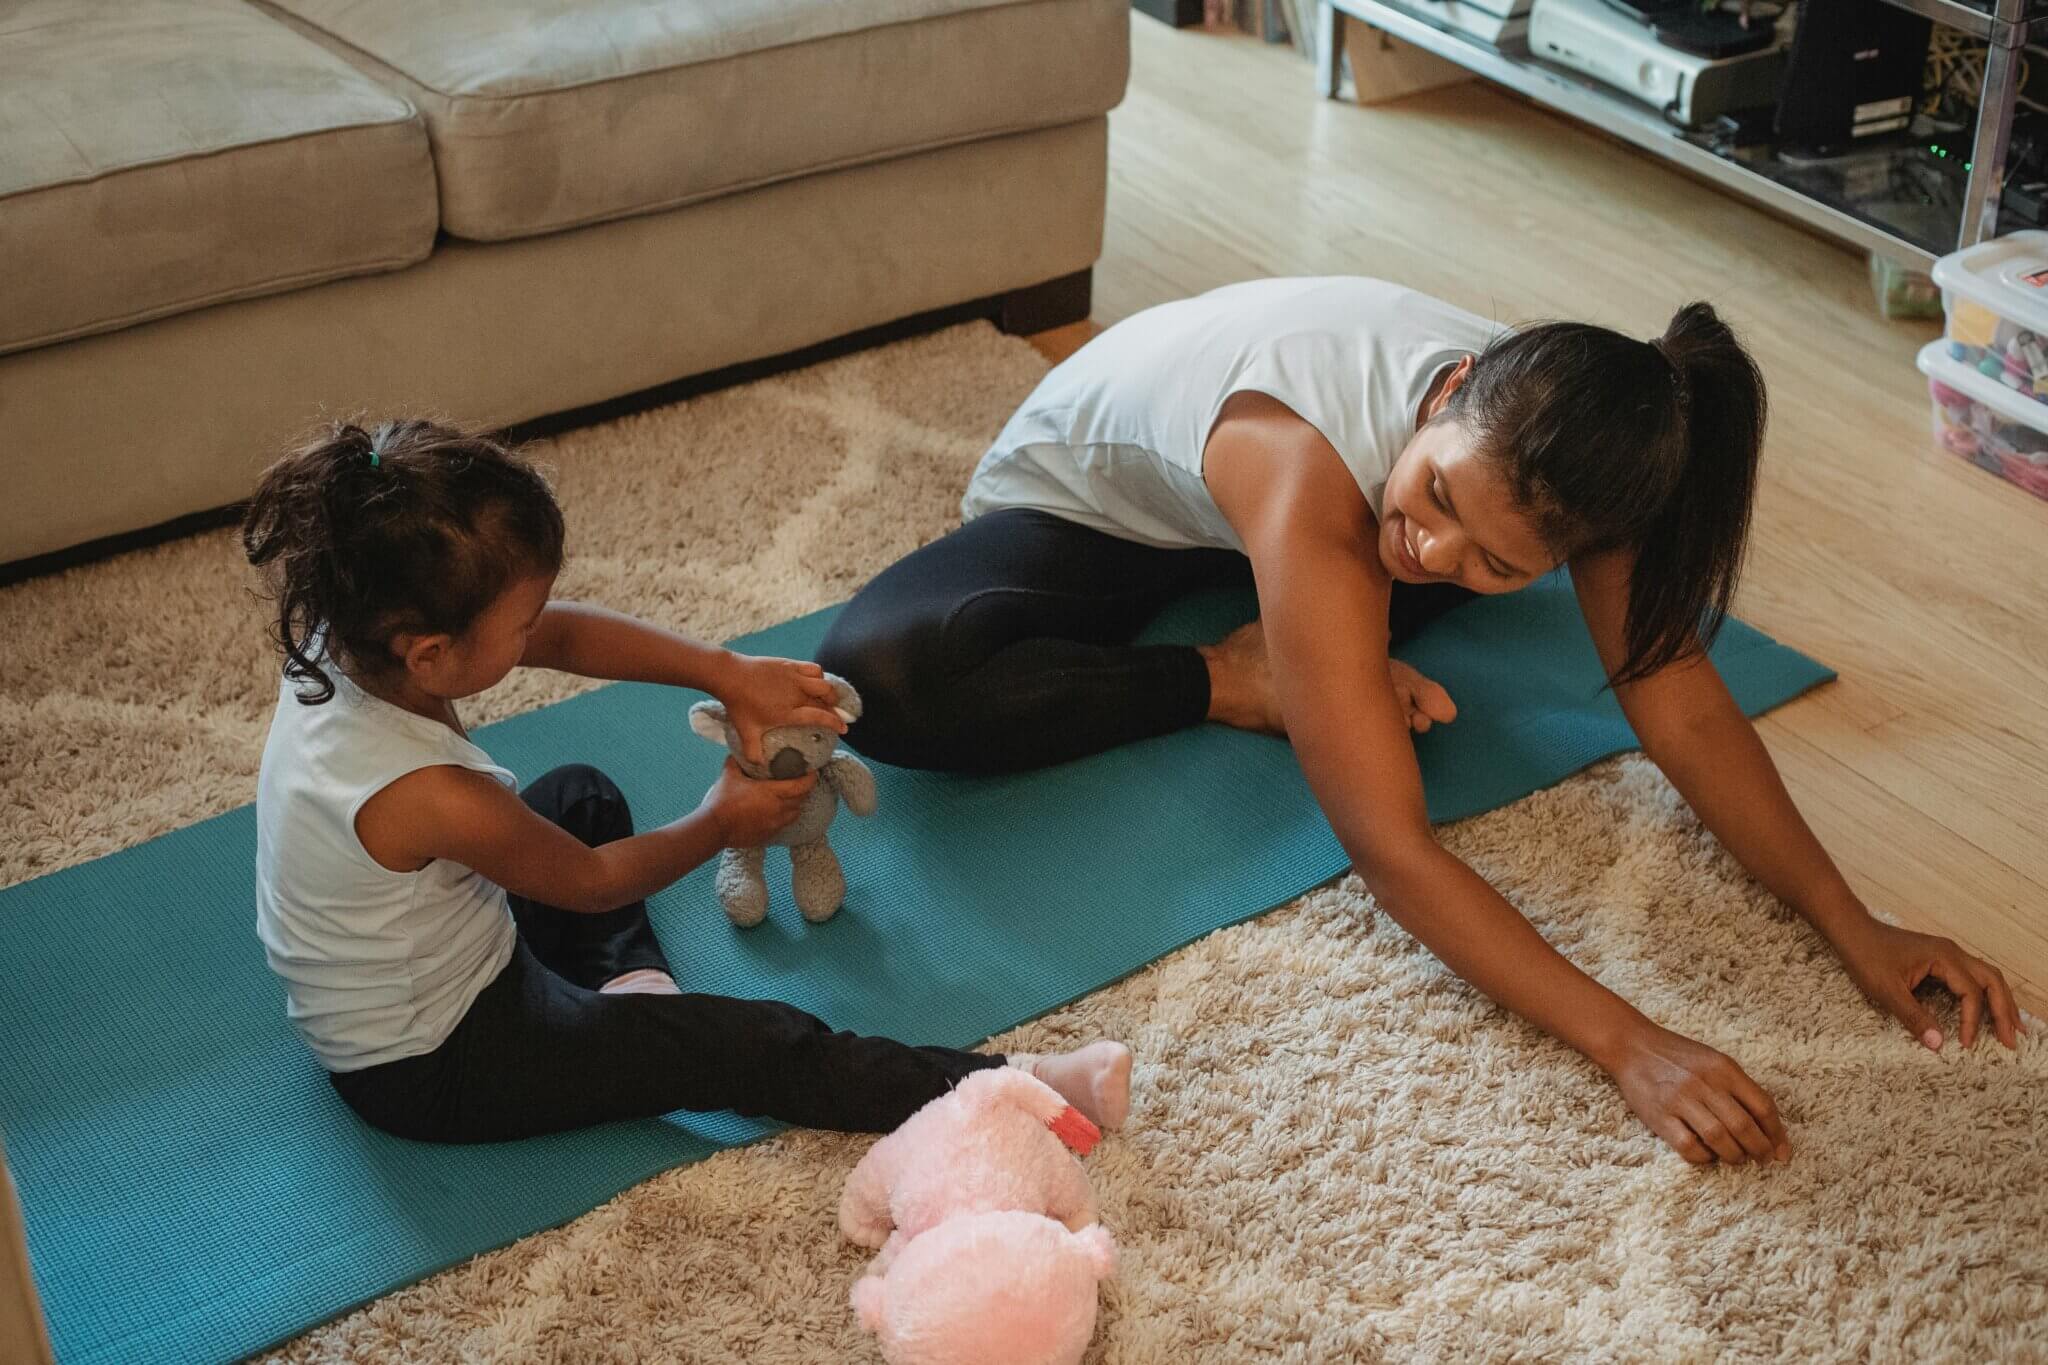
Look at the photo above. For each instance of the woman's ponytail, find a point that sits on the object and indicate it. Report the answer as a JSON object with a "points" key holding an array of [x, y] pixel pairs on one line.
{"points": [[1617, 444], [1689, 556]]}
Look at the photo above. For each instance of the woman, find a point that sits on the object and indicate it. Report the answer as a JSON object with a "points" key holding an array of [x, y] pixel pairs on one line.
{"points": [[1370, 457]]}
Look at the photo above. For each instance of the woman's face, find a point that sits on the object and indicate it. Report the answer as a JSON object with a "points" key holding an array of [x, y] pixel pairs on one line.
{"points": [[1449, 517]]}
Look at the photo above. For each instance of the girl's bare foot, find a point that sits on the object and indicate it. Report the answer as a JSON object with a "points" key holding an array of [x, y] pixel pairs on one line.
{"points": [[643, 981], [1241, 682]]}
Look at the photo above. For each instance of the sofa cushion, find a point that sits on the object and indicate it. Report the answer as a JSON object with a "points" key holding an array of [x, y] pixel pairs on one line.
{"points": [[549, 114], [164, 156]]}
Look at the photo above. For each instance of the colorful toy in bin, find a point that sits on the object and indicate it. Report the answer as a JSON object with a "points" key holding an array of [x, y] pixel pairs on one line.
{"points": [[2022, 366], [2012, 370], [1996, 297], [1985, 418], [1972, 323], [2034, 360], [1959, 441], [1956, 410]]}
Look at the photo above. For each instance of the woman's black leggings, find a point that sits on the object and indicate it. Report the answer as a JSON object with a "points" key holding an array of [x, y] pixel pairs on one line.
{"points": [[542, 1049], [1006, 645]]}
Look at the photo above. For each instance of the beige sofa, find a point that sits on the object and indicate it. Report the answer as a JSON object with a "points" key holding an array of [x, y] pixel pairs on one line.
{"points": [[220, 220]]}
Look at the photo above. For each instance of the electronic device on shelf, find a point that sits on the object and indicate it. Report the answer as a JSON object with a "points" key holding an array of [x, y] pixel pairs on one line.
{"points": [[1712, 34], [1852, 74], [1617, 48], [1503, 24], [2025, 199], [1682, 24]]}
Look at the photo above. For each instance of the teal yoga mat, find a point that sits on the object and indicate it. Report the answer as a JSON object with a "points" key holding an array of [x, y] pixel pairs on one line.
{"points": [[194, 1191]]}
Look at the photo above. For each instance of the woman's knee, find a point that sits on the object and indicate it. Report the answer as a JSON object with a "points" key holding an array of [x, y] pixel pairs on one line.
{"points": [[895, 672]]}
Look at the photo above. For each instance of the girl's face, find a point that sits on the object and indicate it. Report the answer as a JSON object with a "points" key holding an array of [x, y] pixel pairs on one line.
{"points": [[1449, 517], [455, 666]]}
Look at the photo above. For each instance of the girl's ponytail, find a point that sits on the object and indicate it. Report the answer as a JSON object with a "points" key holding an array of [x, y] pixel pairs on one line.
{"points": [[296, 518], [1689, 556], [363, 533]]}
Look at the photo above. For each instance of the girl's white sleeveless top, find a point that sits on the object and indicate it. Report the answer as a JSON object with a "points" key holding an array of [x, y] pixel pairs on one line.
{"points": [[377, 965], [1113, 437]]}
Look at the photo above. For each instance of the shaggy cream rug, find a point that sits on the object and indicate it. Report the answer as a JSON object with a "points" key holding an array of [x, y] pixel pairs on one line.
{"points": [[1338, 1152]]}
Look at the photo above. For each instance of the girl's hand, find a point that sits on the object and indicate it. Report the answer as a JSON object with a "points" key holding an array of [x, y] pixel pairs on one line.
{"points": [[761, 693], [1889, 962], [1698, 1100], [748, 813]]}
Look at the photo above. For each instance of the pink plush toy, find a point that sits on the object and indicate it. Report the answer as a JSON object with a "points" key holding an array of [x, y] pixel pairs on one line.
{"points": [[988, 1289], [982, 1216]]}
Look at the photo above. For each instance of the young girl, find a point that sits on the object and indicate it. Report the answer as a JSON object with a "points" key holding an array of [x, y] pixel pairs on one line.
{"points": [[469, 964], [1369, 458]]}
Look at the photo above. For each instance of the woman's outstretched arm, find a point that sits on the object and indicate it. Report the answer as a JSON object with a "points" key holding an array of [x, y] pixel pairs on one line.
{"points": [[1323, 596], [1693, 730]]}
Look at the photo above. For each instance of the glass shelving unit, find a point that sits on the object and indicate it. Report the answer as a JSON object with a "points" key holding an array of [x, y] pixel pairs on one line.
{"points": [[1905, 202]]}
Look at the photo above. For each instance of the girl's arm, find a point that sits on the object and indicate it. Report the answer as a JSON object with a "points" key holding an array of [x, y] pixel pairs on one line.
{"points": [[1323, 597], [572, 637], [1693, 730], [473, 819], [596, 642]]}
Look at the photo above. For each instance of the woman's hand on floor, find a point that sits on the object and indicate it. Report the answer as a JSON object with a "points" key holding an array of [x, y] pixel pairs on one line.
{"points": [[1888, 962], [1698, 1100]]}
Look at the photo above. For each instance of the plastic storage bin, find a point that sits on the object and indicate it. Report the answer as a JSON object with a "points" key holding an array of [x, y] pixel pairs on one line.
{"points": [[1996, 298], [1985, 421]]}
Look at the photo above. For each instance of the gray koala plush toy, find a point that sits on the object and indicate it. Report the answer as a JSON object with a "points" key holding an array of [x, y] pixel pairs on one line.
{"points": [[791, 751]]}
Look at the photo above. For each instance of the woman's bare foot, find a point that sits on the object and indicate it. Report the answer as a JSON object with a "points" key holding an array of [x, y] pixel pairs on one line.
{"points": [[1241, 687], [1422, 699], [1241, 682], [1095, 1079]]}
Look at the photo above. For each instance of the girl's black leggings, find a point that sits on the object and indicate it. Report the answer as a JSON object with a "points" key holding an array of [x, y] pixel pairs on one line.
{"points": [[542, 1050], [1006, 645]]}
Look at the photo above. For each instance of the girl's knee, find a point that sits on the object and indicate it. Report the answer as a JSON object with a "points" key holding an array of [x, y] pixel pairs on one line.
{"points": [[577, 782], [395, 1109], [583, 800]]}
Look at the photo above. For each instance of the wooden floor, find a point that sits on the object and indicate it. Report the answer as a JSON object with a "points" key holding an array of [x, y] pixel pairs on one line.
{"points": [[1922, 581]]}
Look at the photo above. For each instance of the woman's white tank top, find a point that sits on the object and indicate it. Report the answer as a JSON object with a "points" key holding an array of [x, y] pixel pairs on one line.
{"points": [[1113, 437], [377, 965]]}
